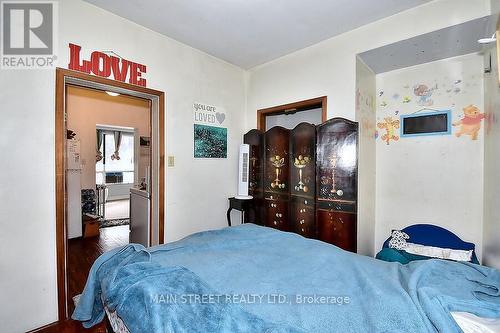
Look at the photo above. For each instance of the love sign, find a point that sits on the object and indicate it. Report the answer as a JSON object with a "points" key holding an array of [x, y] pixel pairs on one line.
{"points": [[107, 66]]}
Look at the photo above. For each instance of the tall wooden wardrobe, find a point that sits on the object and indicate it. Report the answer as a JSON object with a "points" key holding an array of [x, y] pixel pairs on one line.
{"points": [[304, 180]]}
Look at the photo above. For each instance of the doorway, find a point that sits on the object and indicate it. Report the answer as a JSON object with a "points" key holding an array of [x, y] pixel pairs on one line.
{"points": [[106, 169], [109, 173], [289, 115]]}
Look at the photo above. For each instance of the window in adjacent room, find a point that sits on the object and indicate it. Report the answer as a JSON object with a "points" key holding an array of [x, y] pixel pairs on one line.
{"points": [[110, 170]]}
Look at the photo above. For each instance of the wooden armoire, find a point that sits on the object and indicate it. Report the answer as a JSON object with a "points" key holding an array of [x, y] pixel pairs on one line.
{"points": [[304, 180]]}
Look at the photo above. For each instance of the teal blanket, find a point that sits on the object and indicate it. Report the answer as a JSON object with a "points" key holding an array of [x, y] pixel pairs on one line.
{"points": [[255, 279]]}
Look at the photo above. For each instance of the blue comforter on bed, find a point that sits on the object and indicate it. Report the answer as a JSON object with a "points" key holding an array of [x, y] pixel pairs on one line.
{"points": [[255, 279]]}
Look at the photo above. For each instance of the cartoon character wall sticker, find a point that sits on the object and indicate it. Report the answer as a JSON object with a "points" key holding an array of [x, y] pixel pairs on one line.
{"points": [[364, 99], [424, 93], [470, 124], [390, 125]]}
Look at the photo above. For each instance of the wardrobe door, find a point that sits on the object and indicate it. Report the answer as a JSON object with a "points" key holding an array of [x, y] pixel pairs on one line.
{"points": [[303, 179], [336, 161], [255, 139], [302, 160], [255, 213], [336, 182], [276, 176], [302, 216], [276, 212], [337, 228], [276, 169]]}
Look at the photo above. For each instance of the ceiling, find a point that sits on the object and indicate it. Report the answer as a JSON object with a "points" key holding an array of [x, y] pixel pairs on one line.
{"points": [[251, 32], [449, 42]]}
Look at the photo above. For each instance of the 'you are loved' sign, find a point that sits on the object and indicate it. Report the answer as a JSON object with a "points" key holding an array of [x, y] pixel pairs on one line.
{"points": [[210, 132], [208, 114]]}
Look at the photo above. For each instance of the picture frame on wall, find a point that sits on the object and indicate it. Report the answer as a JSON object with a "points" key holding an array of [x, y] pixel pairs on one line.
{"points": [[210, 141]]}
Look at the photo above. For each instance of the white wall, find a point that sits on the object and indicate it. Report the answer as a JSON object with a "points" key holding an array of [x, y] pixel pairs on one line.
{"points": [[491, 228], [27, 240], [365, 116], [431, 179], [495, 6], [329, 68], [27, 192]]}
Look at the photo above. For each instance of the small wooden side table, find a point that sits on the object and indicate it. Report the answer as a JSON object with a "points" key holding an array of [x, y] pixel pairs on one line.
{"points": [[243, 205]]}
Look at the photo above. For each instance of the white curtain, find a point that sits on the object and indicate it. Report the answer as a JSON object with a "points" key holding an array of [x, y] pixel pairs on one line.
{"points": [[118, 141], [98, 153]]}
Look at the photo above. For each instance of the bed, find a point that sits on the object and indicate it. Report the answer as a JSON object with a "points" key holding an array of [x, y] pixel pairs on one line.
{"points": [[256, 279]]}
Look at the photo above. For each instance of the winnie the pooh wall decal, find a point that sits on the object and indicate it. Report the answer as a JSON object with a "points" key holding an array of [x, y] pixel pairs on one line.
{"points": [[470, 124], [390, 125]]}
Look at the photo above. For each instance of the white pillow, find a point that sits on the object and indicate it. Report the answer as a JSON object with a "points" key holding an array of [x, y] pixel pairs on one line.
{"points": [[438, 252], [398, 242]]}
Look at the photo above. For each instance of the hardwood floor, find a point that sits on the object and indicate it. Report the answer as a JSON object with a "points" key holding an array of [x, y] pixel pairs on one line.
{"points": [[71, 326], [82, 252]]}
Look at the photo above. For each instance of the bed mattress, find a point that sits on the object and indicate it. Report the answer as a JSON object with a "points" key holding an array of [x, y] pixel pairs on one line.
{"points": [[468, 322]]}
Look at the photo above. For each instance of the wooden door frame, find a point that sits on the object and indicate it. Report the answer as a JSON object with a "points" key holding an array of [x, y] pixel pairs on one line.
{"points": [[320, 102], [63, 78]]}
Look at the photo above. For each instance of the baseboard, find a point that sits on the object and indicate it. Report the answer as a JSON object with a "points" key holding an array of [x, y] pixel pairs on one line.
{"points": [[45, 328]]}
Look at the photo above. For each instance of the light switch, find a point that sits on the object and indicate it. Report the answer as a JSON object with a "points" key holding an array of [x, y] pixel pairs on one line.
{"points": [[171, 161]]}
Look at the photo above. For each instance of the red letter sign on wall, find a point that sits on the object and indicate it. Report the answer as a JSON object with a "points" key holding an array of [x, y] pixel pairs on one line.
{"points": [[103, 65]]}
